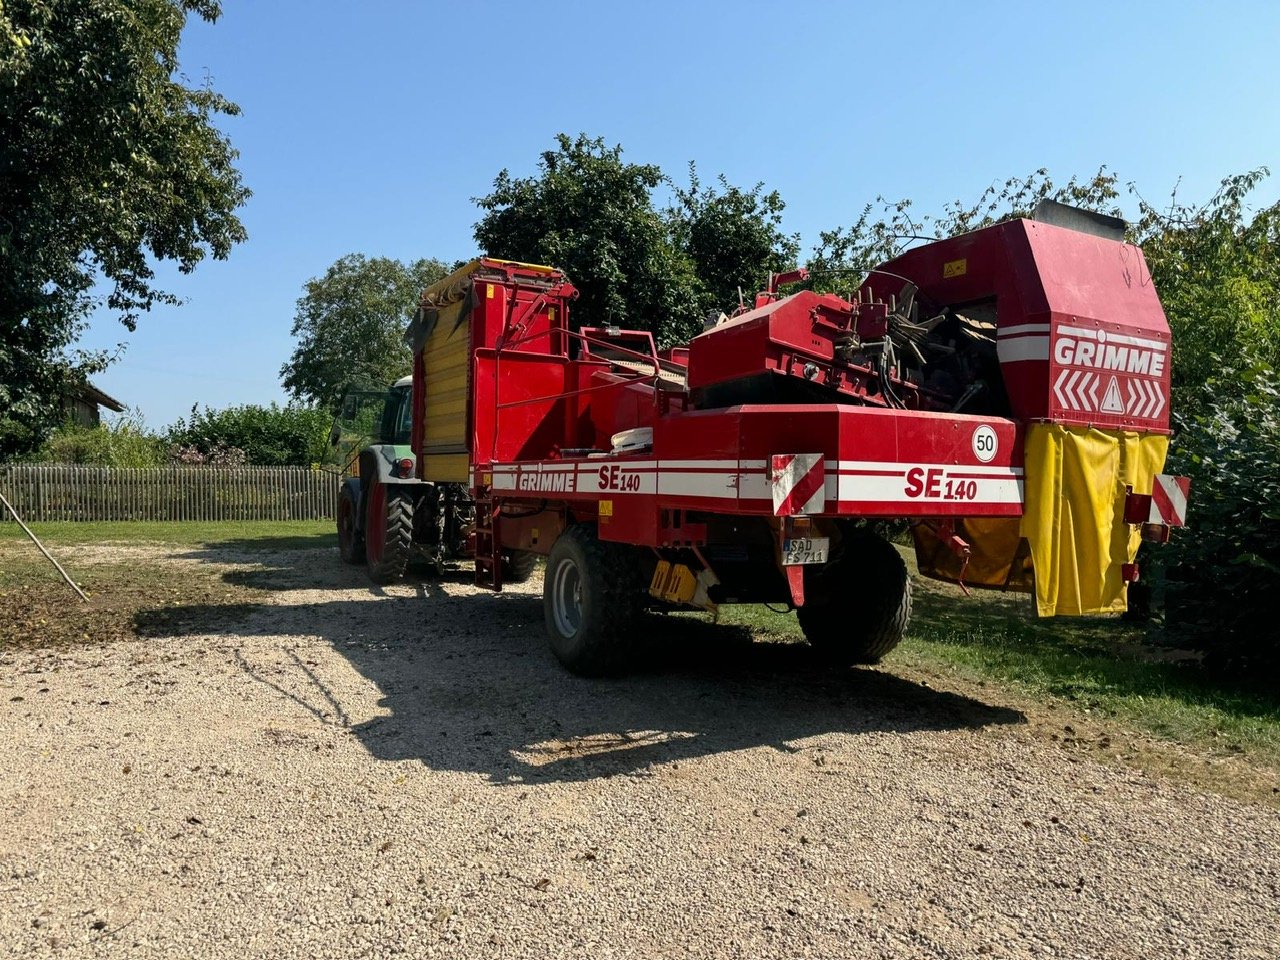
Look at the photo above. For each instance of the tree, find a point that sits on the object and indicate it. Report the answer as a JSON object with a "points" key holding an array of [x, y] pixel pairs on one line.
{"points": [[843, 256], [1218, 272], [733, 237], [269, 436], [350, 325], [591, 214], [108, 163]]}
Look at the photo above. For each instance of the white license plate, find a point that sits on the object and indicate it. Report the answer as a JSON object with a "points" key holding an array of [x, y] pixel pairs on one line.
{"points": [[805, 550]]}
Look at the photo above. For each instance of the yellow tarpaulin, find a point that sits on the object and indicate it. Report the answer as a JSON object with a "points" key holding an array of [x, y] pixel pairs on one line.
{"points": [[1073, 516]]}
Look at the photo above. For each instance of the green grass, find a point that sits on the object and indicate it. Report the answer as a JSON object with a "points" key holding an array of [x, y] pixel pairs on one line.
{"points": [[1099, 666], [273, 535]]}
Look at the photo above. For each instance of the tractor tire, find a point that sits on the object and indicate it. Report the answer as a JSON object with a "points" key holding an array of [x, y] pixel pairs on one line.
{"points": [[388, 532], [518, 566], [858, 606], [350, 538], [591, 600]]}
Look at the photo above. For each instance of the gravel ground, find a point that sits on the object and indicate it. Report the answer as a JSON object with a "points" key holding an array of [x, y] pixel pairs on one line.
{"points": [[351, 772]]}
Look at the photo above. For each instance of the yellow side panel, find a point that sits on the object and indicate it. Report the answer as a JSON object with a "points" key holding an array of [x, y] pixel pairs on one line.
{"points": [[447, 358], [447, 468], [1073, 516]]}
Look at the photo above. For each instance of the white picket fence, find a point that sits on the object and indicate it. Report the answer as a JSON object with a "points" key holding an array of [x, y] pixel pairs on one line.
{"points": [[42, 492]]}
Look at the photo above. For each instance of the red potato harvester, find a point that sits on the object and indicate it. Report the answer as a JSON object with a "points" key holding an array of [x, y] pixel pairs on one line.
{"points": [[1005, 391]]}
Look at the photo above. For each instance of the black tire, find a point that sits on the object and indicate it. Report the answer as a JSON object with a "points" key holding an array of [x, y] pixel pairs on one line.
{"points": [[591, 601], [518, 566], [388, 540], [858, 606], [350, 537]]}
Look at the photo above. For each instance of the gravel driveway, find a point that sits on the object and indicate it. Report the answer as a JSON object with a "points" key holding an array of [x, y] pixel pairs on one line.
{"points": [[351, 772]]}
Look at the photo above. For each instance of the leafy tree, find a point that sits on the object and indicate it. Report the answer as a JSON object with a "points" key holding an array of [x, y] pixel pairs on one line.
{"points": [[734, 238], [350, 324], [591, 214], [269, 436], [107, 163], [1218, 273], [1223, 572], [843, 256]]}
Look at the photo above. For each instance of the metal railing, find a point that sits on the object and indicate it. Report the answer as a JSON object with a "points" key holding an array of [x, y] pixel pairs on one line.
{"points": [[43, 492]]}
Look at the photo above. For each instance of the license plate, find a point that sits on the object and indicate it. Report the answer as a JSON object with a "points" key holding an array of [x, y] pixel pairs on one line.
{"points": [[805, 550]]}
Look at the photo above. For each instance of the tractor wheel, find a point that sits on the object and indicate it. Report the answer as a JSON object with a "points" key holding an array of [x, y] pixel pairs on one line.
{"points": [[591, 599], [858, 606], [518, 566], [388, 532], [350, 539]]}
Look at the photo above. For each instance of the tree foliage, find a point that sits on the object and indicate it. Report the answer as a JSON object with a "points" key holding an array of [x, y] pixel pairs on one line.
{"points": [[108, 163], [884, 229], [268, 435], [733, 237], [1224, 571], [591, 213], [350, 324], [1217, 269]]}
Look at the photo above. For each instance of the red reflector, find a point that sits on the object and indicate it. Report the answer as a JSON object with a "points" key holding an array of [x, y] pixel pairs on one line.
{"points": [[406, 467]]}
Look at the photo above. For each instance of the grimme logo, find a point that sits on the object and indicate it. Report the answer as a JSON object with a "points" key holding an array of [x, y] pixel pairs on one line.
{"points": [[557, 481], [1108, 356]]}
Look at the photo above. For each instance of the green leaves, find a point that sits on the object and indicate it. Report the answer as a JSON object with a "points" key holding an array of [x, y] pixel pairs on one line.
{"points": [[592, 214], [107, 164], [350, 326]]}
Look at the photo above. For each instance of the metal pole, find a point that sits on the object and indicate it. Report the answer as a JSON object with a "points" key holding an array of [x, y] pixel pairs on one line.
{"points": [[47, 554]]}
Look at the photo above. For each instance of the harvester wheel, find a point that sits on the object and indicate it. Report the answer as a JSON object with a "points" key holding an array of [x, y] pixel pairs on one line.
{"points": [[518, 566], [591, 600], [857, 606], [388, 537], [350, 539]]}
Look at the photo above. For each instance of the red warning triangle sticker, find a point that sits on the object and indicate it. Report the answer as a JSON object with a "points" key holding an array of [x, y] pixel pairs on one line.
{"points": [[1111, 402]]}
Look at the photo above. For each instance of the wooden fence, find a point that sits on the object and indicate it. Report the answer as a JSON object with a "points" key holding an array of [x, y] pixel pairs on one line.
{"points": [[68, 492]]}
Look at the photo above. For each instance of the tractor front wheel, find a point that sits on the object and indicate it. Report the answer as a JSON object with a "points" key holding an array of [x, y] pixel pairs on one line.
{"points": [[858, 606], [591, 599], [350, 538], [388, 532]]}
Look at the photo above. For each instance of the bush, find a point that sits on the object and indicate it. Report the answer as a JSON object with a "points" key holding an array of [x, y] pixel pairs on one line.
{"points": [[1223, 572], [269, 436], [121, 442]]}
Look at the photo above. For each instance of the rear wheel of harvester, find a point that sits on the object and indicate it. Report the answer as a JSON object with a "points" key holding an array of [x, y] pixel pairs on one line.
{"points": [[350, 538], [518, 566], [591, 600], [858, 606], [388, 532]]}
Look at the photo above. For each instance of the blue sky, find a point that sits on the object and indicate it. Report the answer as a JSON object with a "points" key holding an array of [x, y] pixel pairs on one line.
{"points": [[368, 127]]}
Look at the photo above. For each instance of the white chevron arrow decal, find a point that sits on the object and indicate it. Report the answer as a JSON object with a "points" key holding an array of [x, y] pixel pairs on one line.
{"points": [[1057, 389], [1159, 400], [1071, 386]]}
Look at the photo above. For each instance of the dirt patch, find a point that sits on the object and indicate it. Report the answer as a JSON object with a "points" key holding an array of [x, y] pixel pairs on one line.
{"points": [[132, 591]]}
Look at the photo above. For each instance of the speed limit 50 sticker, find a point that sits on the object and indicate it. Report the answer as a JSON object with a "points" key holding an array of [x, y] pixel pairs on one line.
{"points": [[985, 443]]}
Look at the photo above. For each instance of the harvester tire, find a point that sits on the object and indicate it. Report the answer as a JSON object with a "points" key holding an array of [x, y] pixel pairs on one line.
{"points": [[350, 537], [388, 538], [591, 600], [858, 606], [518, 566]]}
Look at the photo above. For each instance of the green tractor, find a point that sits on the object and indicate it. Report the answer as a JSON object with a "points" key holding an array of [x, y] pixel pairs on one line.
{"points": [[387, 517]]}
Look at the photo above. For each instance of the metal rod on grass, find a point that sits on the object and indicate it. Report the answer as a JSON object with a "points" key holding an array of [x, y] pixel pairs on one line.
{"points": [[47, 554]]}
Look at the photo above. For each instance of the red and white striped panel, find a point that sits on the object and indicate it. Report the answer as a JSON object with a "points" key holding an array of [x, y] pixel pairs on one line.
{"points": [[799, 484], [1169, 500]]}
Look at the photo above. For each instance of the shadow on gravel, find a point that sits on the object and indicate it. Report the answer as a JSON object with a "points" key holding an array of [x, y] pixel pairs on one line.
{"points": [[470, 685]]}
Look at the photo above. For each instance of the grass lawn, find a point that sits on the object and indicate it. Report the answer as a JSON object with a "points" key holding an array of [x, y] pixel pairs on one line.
{"points": [[263, 534]]}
